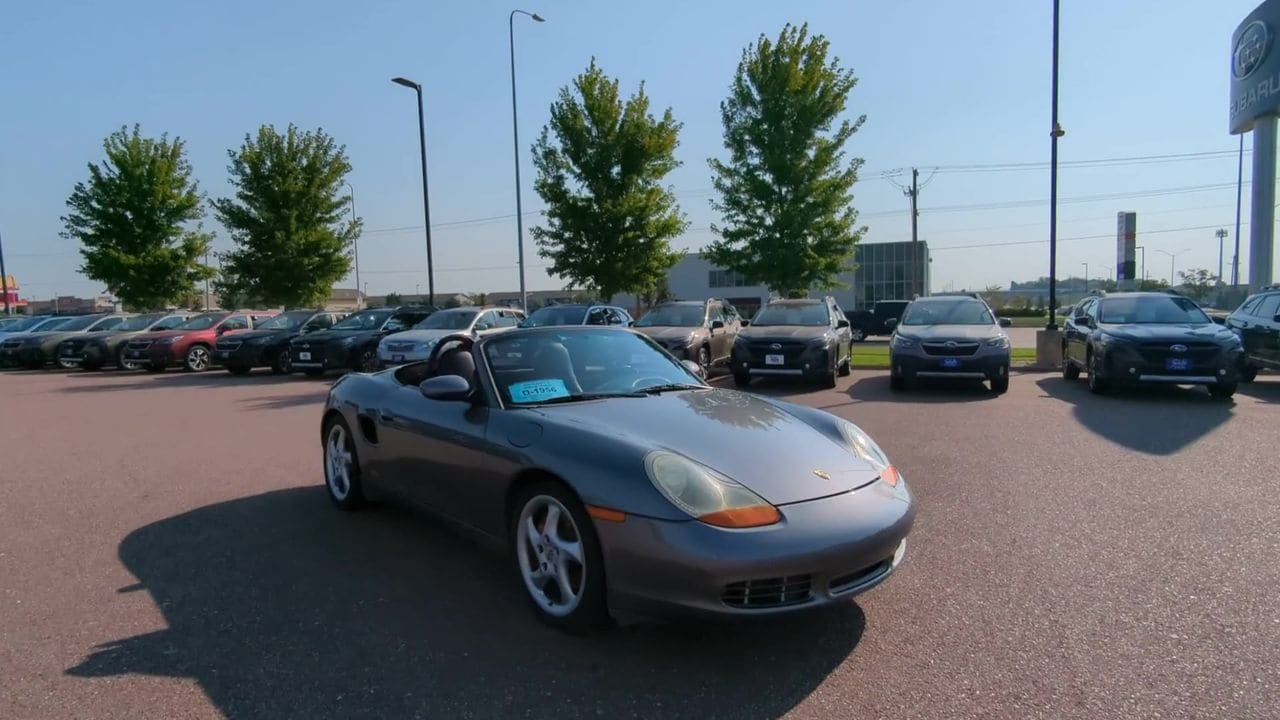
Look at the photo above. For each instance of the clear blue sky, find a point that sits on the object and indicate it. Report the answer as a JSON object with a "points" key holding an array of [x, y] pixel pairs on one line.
{"points": [[942, 83]]}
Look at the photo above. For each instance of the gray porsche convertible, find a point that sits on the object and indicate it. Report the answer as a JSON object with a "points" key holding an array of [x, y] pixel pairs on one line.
{"points": [[620, 481]]}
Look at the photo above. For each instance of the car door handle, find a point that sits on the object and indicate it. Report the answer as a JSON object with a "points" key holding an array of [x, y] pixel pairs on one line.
{"points": [[386, 416]]}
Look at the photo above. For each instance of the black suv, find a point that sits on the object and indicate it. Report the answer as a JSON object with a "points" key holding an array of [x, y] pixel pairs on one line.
{"points": [[1257, 322], [352, 343], [878, 320], [268, 343], [1149, 337], [801, 338]]}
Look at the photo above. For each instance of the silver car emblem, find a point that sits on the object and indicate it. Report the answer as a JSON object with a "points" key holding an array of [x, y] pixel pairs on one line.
{"points": [[1178, 348], [1251, 49], [952, 344], [775, 346]]}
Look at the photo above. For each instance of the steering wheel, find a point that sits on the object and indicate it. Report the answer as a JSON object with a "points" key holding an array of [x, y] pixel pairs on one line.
{"points": [[464, 340]]}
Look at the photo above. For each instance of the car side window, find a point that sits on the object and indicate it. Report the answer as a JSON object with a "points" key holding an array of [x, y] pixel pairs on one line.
{"points": [[1091, 311], [1269, 307], [487, 321], [596, 316], [236, 322], [508, 318], [716, 312], [1250, 305], [617, 317]]}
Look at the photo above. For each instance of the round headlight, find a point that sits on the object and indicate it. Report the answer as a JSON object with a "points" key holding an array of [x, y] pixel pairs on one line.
{"points": [[705, 494], [864, 447]]}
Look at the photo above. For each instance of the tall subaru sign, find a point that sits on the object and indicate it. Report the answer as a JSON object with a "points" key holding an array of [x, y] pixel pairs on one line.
{"points": [[1255, 102], [1126, 247]]}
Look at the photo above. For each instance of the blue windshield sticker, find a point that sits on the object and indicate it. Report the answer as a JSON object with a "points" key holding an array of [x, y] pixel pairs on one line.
{"points": [[531, 391]]}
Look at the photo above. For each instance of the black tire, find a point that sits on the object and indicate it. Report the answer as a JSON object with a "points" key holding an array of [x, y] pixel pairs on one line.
{"points": [[1070, 371], [197, 359], [847, 366], [121, 363], [704, 359], [741, 379], [591, 610], [1097, 384], [239, 369], [1223, 390], [346, 492], [314, 372], [1000, 385], [828, 379], [1248, 374], [897, 382], [366, 360], [282, 363], [857, 335]]}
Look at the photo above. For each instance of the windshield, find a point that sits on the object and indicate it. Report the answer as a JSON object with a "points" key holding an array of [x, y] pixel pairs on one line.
{"points": [[77, 323], [201, 322], [448, 320], [1155, 309], [31, 324], [367, 320], [544, 367], [960, 312], [286, 321], [555, 315], [814, 314], [138, 322], [673, 316], [169, 323]]}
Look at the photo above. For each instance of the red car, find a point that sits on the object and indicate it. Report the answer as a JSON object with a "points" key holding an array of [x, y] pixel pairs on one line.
{"points": [[191, 343]]}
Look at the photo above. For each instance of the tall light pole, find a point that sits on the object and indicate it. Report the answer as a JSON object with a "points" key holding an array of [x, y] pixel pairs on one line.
{"points": [[1055, 133], [1086, 277], [1173, 258], [355, 243], [515, 136], [1222, 235], [426, 203], [1143, 273]]}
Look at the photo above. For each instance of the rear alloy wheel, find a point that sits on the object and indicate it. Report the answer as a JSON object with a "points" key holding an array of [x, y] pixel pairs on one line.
{"points": [[1223, 390], [283, 363], [197, 359], [558, 558], [857, 334], [121, 363], [67, 364], [1097, 383], [342, 466]]}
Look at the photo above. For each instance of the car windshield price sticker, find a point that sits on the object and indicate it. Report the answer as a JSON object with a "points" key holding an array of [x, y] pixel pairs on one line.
{"points": [[531, 391]]}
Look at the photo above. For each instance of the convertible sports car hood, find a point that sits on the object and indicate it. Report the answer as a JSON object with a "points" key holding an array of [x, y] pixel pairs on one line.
{"points": [[950, 332], [741, 436], [783, 332], [1172, 333]]}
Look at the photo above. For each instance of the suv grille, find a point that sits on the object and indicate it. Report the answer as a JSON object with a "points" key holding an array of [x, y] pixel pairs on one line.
{"points": [[139, 344], [768, 593], [400, 347], [959, 349], [1198, 352]]}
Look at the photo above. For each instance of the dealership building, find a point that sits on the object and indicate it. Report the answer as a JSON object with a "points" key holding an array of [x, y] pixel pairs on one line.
{"points": [[882, 271]]}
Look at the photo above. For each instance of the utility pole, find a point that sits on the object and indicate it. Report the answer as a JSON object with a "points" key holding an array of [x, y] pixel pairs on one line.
{"points": [[1054, 133], [1222, 235]]}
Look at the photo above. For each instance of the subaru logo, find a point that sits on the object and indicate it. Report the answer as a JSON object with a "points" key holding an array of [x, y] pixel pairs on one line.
{"points": [[305, 345], [1178, 348], [1251, 49], [952, 344], [775, 346]]}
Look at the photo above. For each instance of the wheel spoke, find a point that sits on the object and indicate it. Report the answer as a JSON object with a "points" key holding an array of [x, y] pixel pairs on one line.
{"points": [[551, 525], [562, 580], [531, 533], [572, 549]]}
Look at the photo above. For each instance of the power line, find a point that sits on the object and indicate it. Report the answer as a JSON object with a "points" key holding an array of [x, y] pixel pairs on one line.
{"points": [[1078, 237]]}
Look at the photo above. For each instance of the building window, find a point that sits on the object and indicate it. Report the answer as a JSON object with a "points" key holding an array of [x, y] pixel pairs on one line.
{"points": [[726, 278]]}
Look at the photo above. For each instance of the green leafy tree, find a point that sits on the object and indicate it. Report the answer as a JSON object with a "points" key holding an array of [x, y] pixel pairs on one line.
{"points": [[1149, 284], [137, 220], [288, 218], [786, 189], [393, 299], [1197, 283], [601, 162]]}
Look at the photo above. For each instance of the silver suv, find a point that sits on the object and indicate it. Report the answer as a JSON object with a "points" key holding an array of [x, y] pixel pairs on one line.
{"points": [[949, 337]]}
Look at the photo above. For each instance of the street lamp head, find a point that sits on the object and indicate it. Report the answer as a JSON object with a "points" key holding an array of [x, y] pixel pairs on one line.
{"points": [[538, 18], [406, 82]]}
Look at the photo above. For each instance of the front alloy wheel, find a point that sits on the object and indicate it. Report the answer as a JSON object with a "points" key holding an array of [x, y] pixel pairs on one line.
{"points": [[368, 361], [283, 364], [558, 559], [857, 334], [1097, 383], [197, 359], [341, 466], [704, 359]]}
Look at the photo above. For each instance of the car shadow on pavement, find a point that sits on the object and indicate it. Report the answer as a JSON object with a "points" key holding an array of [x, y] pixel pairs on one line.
{"points": [[875, 388], [136, 380], [1265, 388], [281, 606], [1157, 420]]}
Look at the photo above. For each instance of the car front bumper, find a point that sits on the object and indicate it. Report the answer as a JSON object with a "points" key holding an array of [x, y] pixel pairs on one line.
{"points": [[156, 355], [824, 551], [1125, 364], [389, 357], [321, 357], [22, 356], [245, 355], [792, 359], [983, 365]]}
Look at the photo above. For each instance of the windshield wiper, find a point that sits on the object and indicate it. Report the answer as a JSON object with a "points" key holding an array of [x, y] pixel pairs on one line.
{"points": [[579, 397], [657, 389]]}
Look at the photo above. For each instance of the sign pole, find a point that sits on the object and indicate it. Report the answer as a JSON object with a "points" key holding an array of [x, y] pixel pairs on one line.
{"points": [[1262, 212]]}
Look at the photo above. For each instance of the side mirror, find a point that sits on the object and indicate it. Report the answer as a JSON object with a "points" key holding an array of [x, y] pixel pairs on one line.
{"points": [[1006, 322], [445, 387], [745, 323], [1081, 321], [891, 322], [631, 324], [842, 323], [694, 368], [717, 324], [221, 329]]}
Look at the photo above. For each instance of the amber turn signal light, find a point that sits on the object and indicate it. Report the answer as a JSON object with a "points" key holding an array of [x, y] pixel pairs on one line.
{"points": [[890, 475], [743, 517], [607, 514]]}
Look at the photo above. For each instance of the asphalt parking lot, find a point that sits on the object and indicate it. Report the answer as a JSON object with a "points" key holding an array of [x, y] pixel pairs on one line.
{"points": [[167, 550]]}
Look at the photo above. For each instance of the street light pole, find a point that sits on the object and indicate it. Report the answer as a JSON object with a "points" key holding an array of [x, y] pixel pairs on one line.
{"points": [[515, 137], [1054, 134], [1173, 258], [426, 203], [1086, 277], [355, 243], [1222, 235], [1143, 274]]}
